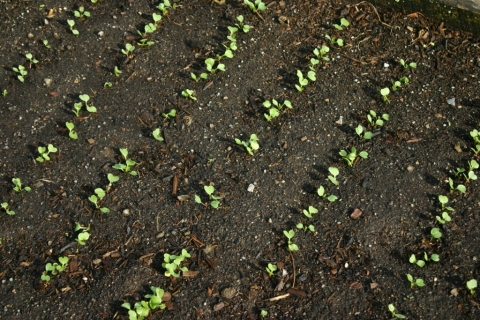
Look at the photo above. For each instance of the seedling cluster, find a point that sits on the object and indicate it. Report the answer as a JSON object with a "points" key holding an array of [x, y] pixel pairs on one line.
{"points": [[82, 233], [173, 263], [21, 73], [271, 269], [274, 107], [6, 207], [18, 185], [290, 234], [141, 309], [45, 153], [215, 200], [352, 156], [127, 166], [251, 145], [54, 268]]}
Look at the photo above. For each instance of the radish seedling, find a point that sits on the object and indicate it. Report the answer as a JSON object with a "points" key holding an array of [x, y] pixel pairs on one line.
{"points": [[385, 92], [165, 5], [170, 115], [4, 93], [343, 24], [117, 71], [363, 133], [189, 94], [156, 19], [443, 201], [263, 313], [275, 107], [290, 234], [244, 27], [71, 130], [302, 82], [142, 308], [85, 98], [128, 51], [83, 235], [5, 206], [98, 196], [54, 268], [392, 309], [145, 43], [435, 233], [128, 163], [376, 120], [475, 134], [149, 28], [211, 62], [351, 157], [417, 282], [45, 43], [408, 65], [111, 179], [21, 73], [71, 24], [305, 228], [310, 212], [321, 193], [44, 152], [107, 84], [414, 260], [81, 12], [256, 6], [334, 172], [215, 199], [461, 188], [18, 185], [31, 59], [251, 145], [472, 285], [444, 218], [157, 134], [271, 268], [476, 151], [172, 263], [333, 40], [201, 76]]}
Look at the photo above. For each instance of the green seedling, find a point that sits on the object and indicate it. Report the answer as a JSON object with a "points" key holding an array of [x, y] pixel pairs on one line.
{"points": [[310, 212], [263, 313], [475, 134], [148, 29], [415, 282], [81, 13], [322, 193], [435, 233], [232, 36], [156, 19], [71, 24], [228, 52], [363, 133], [434, 257], [5, 206], [83, 234], [163, 7], [215, 203], [343, 24], [392, 309], [157, 134], [44, 152], [256, 6], [128, 163], [145, 43], [200, 77], [156, 298], [107, 85], [376, 120], [170, 115], [21, 73], [189, 94], [444, 218], [398, 84], [321, 53], [305, 228], [117, 71], [385, 92], [334, 172], [172, 263], [333, 40], [290, 234], [476, 151], [77, 107], [472, 285], [111, 180], [274, 107], [54, 268], [98, 196], [71, 130], [4, 93], [351, 157], [414, 260], [142, 308], [251, 145], [85, 98], [271, 268], [443, 202], [210, 62], [408, 65], [45, 43], [18, 185], [461, 188], [128, 51], [303, 82], [31, 59], [472, 165], [240, 25]]}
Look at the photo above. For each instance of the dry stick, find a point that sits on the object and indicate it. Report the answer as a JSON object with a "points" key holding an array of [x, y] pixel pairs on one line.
{"points": [[375, 9], [258, 14], [294, 271]]}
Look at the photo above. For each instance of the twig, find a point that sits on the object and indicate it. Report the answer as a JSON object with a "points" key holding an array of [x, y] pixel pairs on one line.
{"points": [[283, 296], [375, 9]]}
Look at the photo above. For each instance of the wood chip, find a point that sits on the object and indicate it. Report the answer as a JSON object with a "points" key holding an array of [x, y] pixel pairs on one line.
{"points": [[458, 148], [356, 285], [218, 306], [189, 274], [283, 296], [373, 285], [298, 293], [414, 140], [211, 262], [303, 139], [356, 213]]}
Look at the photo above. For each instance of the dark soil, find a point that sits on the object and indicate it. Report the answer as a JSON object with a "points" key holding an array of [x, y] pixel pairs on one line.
{"points": [[348, 268]]}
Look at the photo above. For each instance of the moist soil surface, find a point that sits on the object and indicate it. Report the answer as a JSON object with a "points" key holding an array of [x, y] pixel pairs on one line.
{"points": [[352, 266]]}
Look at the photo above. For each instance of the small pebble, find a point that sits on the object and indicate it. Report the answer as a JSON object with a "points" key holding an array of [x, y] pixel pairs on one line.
{"points": [[126, 212], [451, 101], [303, 139], [302, 278], [101, 33], [410, 168], [48, 82], [218, 306], [229, 293], [458, 148], [251, 187]]}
